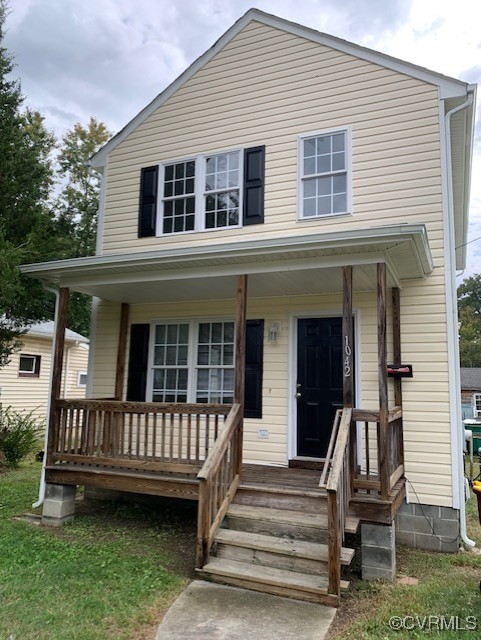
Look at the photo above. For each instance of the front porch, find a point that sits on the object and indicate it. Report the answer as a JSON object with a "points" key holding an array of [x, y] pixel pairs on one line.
{"points": [[196, 450]]}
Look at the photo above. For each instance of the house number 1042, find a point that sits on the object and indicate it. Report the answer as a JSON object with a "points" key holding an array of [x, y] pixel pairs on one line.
{"points": [[347, 359]]}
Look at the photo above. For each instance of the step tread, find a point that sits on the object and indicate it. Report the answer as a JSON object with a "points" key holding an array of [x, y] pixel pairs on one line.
{"points": [[284, 546], [288, 491], [285, 516], [269, 575]]}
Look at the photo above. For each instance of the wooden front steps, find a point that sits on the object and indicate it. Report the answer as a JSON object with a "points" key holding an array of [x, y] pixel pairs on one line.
{"points": [[275, 541]]}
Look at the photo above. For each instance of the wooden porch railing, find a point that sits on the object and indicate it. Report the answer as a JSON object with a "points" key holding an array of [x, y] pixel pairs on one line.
{"points": [[338, 488], [376, 464], [135, 435], [219, 479]]}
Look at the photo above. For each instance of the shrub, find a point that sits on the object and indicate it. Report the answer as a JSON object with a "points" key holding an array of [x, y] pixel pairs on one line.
{"points": [[19, 434]]}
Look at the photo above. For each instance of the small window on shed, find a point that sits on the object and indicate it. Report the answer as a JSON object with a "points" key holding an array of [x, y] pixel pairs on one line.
{"points": [[82, 379], [29, 366]]}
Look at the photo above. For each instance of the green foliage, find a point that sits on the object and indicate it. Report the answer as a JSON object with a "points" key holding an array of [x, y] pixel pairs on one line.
{"points": [[19, 434], [26, 223], [32, 228], [78, 205], [469, 309]]}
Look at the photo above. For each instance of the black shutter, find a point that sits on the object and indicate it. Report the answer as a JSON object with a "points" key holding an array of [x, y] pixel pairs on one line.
{"points": [[138, 359], [149, 177], [254, 366], [254, 168]]}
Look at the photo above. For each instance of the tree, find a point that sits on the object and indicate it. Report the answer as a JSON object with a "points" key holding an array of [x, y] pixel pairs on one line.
{"points": [[26, 224], [78, 204], [469, 309]]}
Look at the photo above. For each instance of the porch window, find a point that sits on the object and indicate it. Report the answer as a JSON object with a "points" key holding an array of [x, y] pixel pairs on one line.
{"points": [[324, 174], [193, 362], [215, 362], [170, 370]]}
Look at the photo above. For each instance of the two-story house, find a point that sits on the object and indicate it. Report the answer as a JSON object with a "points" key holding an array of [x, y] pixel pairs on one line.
{"points": [[274, 321]]}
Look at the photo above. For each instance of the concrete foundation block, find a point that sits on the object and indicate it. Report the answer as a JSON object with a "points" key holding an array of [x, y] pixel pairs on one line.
{"points": [[378, 552], [428, 527], [59, 504]]}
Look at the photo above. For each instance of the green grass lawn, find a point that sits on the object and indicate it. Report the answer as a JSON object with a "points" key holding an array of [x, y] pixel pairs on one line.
{"points": [[448, 586], [108, 575]]}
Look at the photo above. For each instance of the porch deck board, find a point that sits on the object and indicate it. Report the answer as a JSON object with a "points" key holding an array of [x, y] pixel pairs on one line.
{"points": [[254, 476]]}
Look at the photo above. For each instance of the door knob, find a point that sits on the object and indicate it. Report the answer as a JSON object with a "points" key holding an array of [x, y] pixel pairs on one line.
{"points": [[298, 395]]}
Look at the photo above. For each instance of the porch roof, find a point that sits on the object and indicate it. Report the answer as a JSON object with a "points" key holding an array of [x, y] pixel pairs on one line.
{"points": [[277, 266]]}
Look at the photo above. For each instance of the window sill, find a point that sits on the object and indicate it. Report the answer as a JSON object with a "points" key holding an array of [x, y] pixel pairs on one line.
{"points": [[25, 374], [345, 214]]}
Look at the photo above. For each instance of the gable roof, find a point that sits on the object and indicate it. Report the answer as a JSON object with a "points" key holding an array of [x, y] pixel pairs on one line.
{"points": [[47, 329], [448, 87], [471, 378]]}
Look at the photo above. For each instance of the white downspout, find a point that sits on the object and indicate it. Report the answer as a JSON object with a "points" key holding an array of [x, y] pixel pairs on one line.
{"points": [[453, 323], [41, 489]]}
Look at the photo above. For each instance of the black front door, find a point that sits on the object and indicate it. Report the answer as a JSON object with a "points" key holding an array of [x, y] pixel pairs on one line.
{"points": [[319, 383]]}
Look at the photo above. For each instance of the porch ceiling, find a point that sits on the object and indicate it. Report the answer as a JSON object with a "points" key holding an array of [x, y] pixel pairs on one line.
{"points": [[276, 266]]}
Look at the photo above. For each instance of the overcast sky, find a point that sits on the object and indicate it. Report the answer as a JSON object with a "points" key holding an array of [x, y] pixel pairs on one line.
{"points": [[109, 58]]}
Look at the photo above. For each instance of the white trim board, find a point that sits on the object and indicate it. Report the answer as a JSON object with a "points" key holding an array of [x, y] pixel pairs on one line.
{"points": [[448, 87]]}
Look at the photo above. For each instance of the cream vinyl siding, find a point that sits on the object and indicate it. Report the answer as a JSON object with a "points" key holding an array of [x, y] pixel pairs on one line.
{"points": [[268, 87], [30, 393], [426, 425]]}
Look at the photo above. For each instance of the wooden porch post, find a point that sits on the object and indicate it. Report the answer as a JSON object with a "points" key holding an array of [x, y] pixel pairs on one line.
{"points": [[240, 349], [396, 340], [398, 395], [121, 351], [384, 451], [347, 333], [57, 365], [348, 368]]}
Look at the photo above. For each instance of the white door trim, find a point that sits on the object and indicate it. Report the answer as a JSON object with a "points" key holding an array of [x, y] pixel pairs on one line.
{"points": [[294, 316]]}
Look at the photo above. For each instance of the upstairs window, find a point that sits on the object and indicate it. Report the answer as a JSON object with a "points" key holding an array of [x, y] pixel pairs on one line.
{"points": [[201, 193], [324, 174], [179, 197], [29, 366], [222, 190]]}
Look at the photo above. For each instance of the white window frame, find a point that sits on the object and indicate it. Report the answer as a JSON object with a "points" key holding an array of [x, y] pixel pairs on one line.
{"points": [[30, 372], [347, 130], [79, 375], [199, 192], [476, 411], [193, 343]]}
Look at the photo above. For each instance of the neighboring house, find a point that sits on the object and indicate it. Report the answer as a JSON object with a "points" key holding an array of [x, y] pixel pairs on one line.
{"points": [[25, 380], [320, 189], [471, 392]]}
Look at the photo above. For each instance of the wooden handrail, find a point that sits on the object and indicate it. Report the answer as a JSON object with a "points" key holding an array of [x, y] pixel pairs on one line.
{"points": [[330, 449], [218, 482], [217, 452], [338, 496], [339, 451], [121, 406], [135, 435]]}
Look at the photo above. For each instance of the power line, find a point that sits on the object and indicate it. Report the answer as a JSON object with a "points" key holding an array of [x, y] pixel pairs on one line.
{"points": [[469, 242]]}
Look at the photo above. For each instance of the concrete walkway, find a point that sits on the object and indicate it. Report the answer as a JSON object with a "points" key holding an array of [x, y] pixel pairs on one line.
{"points": [[215, 612]]}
